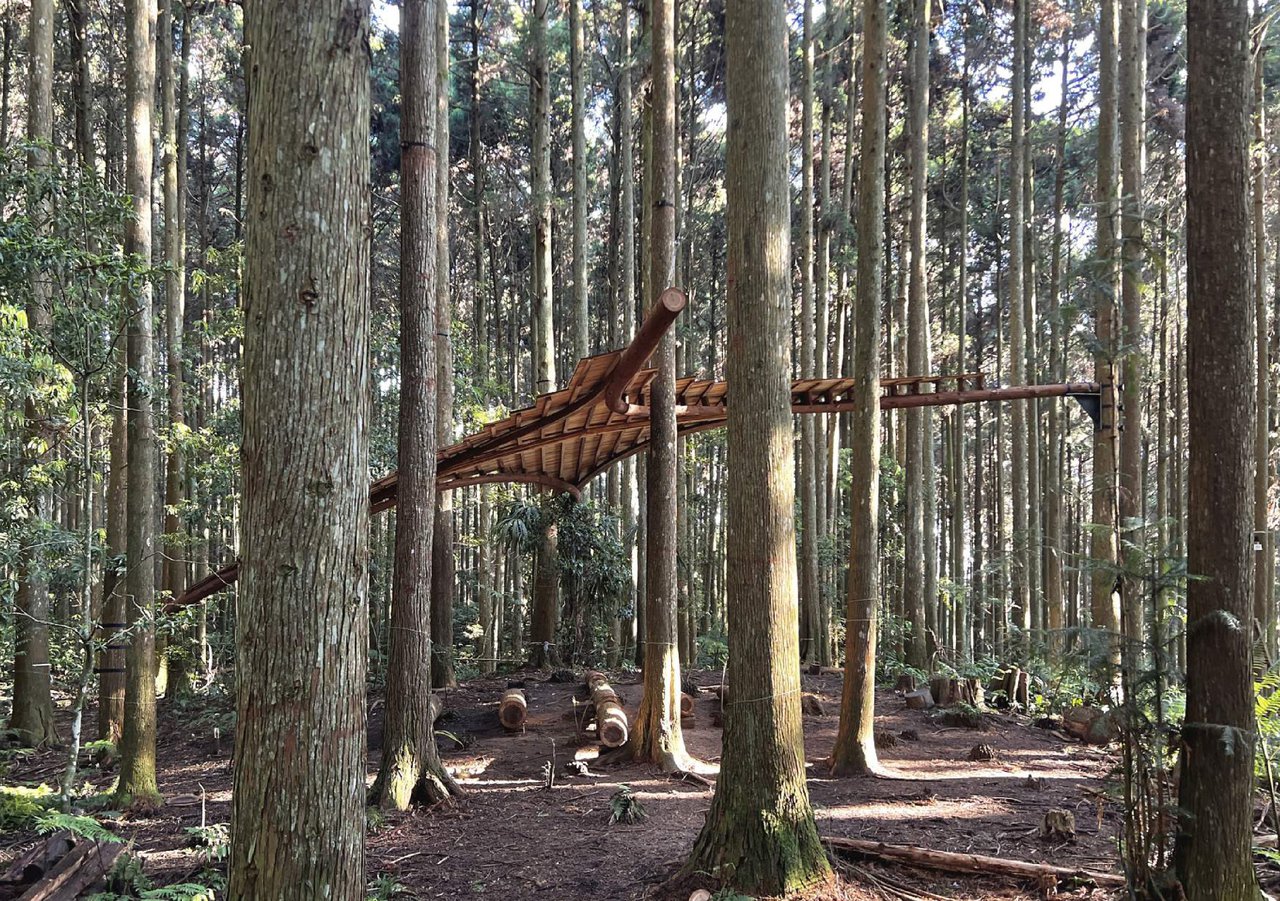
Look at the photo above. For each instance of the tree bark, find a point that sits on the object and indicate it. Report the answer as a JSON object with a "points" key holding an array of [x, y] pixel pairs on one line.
{"points": [[298, 802], [759, 836], [855, 751], [1214, 844], [1103, 549], [411, 769], [32, 714], [657, 736], [137, 783], [919, 446]]}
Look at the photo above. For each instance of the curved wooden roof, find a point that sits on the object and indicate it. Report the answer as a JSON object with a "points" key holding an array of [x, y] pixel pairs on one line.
{"points": [[566, 438]]}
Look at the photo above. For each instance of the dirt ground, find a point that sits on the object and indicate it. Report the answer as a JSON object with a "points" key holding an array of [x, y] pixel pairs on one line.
{"points": [[512, 838]]}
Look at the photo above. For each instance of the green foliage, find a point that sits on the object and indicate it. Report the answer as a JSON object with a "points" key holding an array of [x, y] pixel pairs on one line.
{"points": [[50, 821], [20, 806], [625, 807], [213, 841], [384, 887], [127, 881]]}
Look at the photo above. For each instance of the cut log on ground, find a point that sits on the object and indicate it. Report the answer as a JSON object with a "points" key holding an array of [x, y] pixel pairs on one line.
{"points": [[948, 862], [512, 709], [33, 864], [78, 870], [686, 704], [611, 720]]}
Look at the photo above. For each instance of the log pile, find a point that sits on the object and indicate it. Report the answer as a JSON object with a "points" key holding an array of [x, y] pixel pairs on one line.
{"points": [[611, 720], [512, 710], [59, 869], [947, 691]]}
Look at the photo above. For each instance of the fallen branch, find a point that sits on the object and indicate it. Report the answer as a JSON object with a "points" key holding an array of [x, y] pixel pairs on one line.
{"points": [[967, 863]]}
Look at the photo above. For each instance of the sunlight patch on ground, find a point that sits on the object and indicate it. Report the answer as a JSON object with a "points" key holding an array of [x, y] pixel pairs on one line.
{"points": [[968, 809]]}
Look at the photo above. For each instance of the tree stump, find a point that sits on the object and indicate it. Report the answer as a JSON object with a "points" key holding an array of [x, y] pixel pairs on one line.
{"points": [[906, 683], [920, 699]]}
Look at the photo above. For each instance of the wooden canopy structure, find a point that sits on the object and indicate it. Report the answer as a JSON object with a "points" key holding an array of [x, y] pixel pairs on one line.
{"points": [[566, 438]]}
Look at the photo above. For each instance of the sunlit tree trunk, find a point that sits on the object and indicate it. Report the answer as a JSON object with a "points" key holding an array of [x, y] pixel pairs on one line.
{"points": [[411, 768], [1103, 548], [855, 750], [298, 800], [137, 783], [32, 713], [919, 468], [760, 835], [657, 736]]}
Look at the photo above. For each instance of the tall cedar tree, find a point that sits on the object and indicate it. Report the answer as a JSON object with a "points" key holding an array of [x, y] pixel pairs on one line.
{"points": [[759, 835], [298, 802], [137, 783], [411, 768], [657, 736], [32, 714], [1214, 845], [855, 751]]}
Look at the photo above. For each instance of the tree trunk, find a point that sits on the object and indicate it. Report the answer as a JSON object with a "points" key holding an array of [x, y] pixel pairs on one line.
{"points": [[657, 737], [32, 714], [855, 751], [1103, 548], [300, 738], [581, 323], [137, 783], [411, 768], [111, 662], [809, 614], [759, 835], [1133, 253], [1214, 845], [919, 446], [1263, 610]]}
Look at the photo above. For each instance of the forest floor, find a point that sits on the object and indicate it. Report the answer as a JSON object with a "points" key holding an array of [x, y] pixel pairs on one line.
{"points": [[512, 838]]}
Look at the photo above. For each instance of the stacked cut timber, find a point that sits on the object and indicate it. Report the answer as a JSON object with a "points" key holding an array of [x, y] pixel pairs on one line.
{"points": [[512, 709], [611, 719], [947, 690]]}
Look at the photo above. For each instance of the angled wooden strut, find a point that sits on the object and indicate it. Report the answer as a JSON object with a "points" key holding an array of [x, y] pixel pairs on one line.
{"points": [[566, 438]]}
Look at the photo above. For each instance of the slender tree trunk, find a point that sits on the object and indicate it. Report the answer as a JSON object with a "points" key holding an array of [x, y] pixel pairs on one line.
{"points": [[855, 750], [581, 322], [1020, 589], [1263, 609], [919, 446], [759, 835], [411, 769], [32, 714], [657, 737], [175, 287], [809, 616], [299, 795], [1054, 552], [1103, 548], [137, 783], [1214, 845], [111, 662], [1133, 256], [443, 568]]}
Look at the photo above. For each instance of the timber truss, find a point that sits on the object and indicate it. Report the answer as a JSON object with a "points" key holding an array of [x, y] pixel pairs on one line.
{"points": [[566, 438]]}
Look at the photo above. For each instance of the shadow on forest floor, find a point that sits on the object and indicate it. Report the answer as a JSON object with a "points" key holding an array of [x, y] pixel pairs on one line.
{"points": [[513, 839]]}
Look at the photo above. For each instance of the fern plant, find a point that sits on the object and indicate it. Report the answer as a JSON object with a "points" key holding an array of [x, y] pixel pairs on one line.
{"points": [[625, 807], [51, 821]]}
